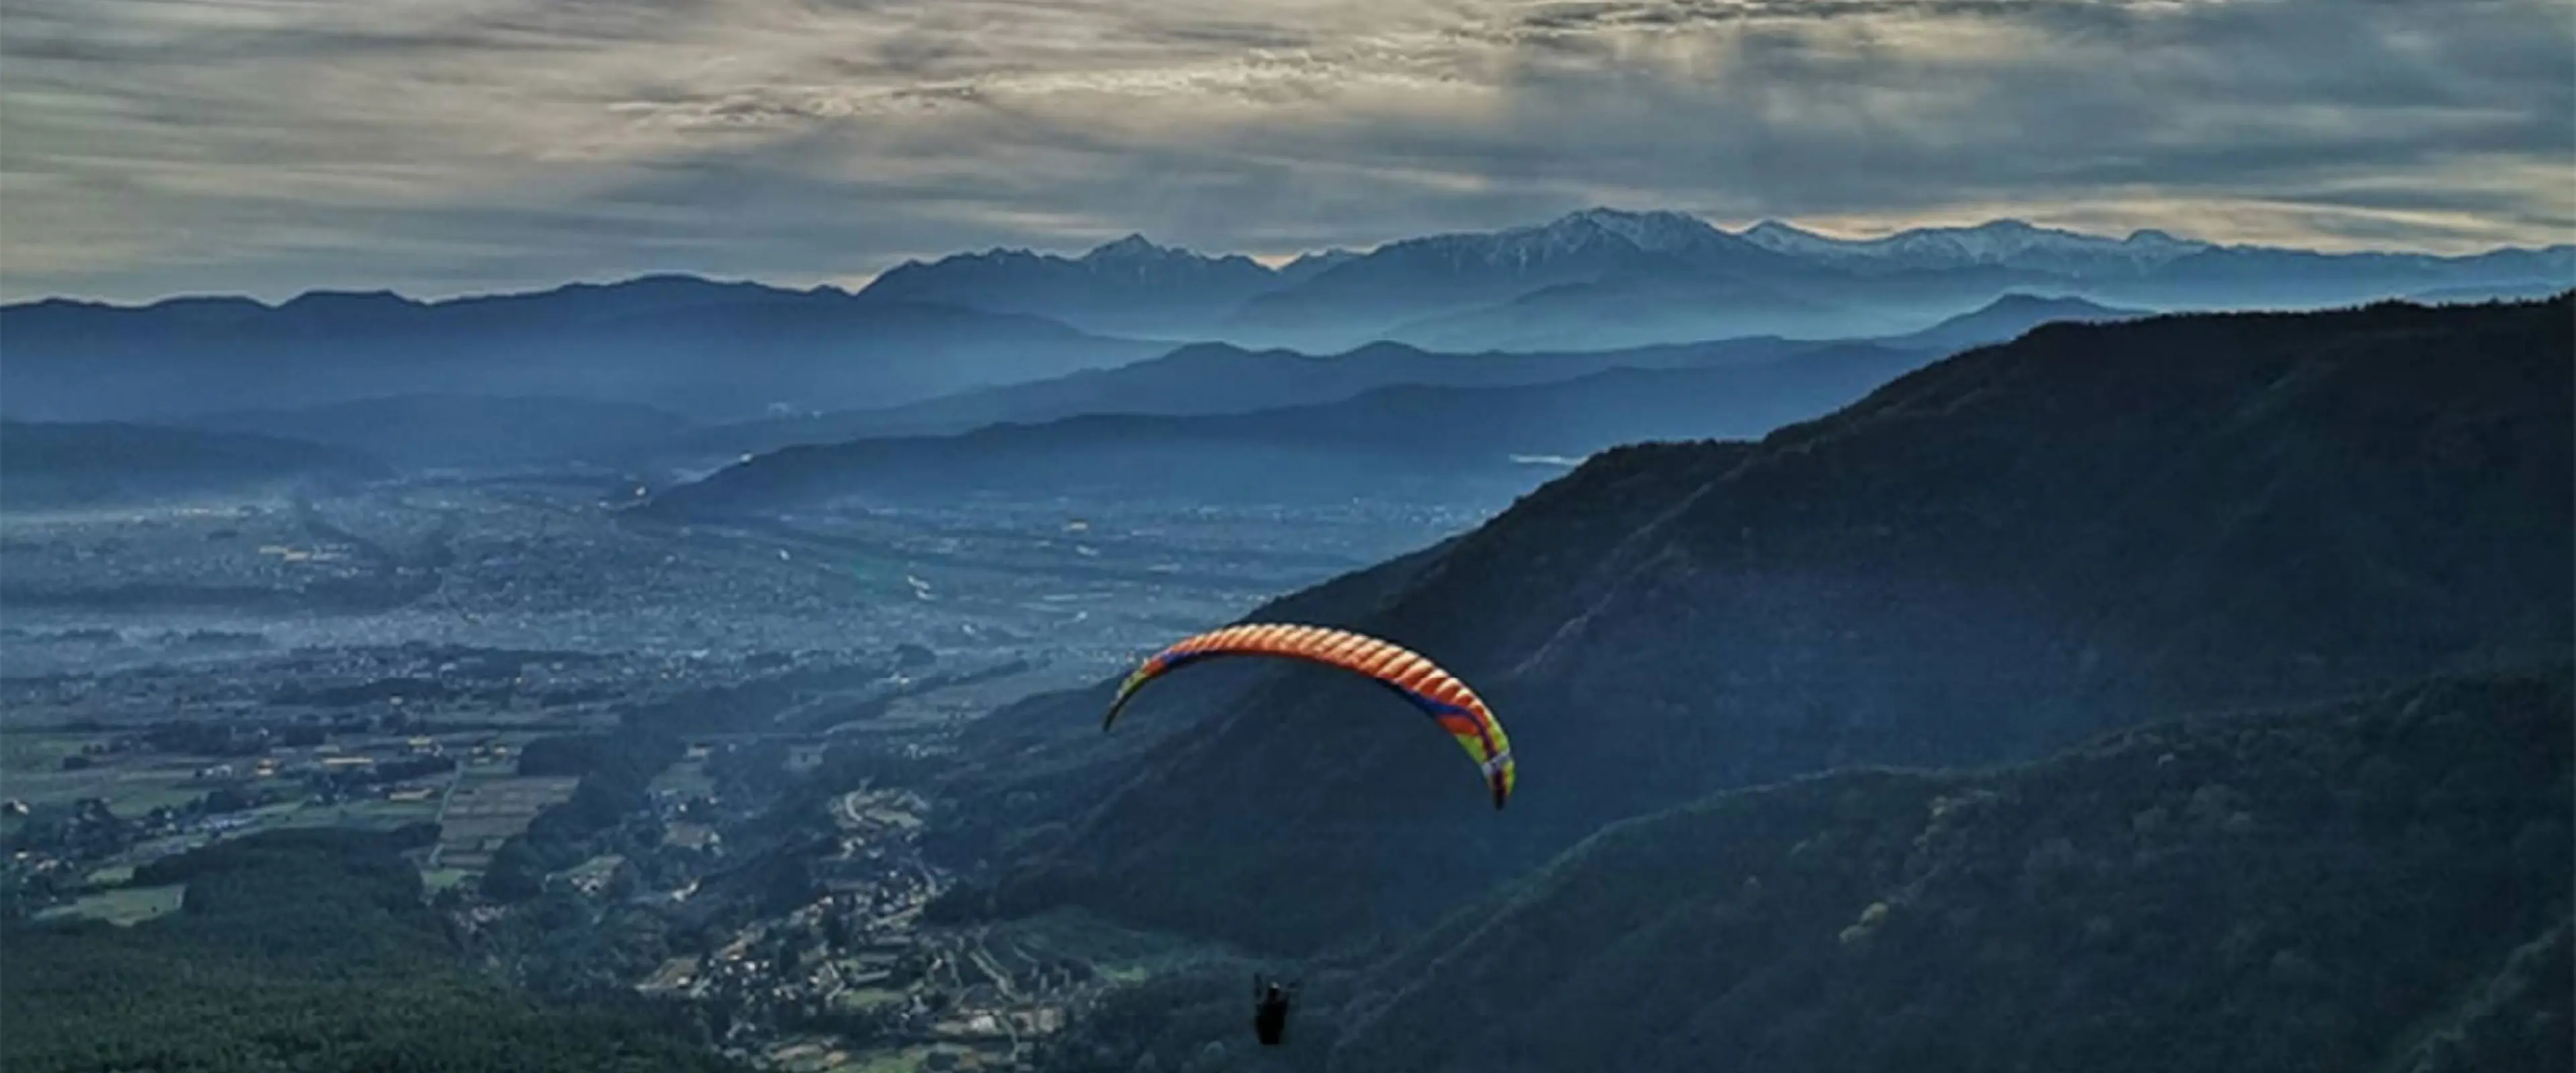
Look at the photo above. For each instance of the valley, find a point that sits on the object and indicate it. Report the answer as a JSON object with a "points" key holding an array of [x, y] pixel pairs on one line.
{"points": [[1832, 666], [414, 655]]}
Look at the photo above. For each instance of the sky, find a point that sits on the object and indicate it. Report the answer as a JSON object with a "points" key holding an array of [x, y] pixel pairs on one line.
{"points": [[438, 147]]}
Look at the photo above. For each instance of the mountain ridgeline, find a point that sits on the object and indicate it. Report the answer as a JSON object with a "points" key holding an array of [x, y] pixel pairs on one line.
{"points": [[47, 464], [716, 352], [703, 350], [1217, 378], [1407, 441], [1212, 378], [1130, 286], [1604, 278], [1989, 559]]}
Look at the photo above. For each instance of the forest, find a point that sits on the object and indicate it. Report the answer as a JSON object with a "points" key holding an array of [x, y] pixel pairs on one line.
{"points": [[300, 950]]}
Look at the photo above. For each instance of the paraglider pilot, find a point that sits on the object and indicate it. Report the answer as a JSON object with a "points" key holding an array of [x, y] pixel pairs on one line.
{"points": [[1271, 1000]]}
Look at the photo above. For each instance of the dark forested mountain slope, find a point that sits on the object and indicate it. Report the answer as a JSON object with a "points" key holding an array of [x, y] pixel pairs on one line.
{"points": [[2317, 891], [1989, 558], [2379, 883]]}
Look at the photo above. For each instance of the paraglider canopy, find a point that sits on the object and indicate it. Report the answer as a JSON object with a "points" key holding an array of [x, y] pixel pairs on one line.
{"points": [[1419, 681]]}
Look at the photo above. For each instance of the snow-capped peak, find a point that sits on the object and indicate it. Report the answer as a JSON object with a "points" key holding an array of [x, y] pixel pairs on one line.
{"points": [[2007, 243], [1656, 231], [1590, 231], [1780, 237], [1134, 247]]}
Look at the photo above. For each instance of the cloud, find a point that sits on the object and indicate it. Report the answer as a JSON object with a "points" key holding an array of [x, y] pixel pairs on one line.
{"points": [[158, 146]]}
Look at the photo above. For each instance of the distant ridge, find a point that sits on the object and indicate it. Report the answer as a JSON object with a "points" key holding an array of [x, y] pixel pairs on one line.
{"points": [[1398, 441], [45, 464], [1215, 378], [1591, 280], [2007, 318], [705, 350], [1135, 255]]}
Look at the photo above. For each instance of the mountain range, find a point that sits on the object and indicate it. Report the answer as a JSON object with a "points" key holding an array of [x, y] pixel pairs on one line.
{"points": [[1218, 378], [703, 350], [1605, 278], [1204, 379], [712, 352], [1412, 442], [1284, 392], [2001, 243], [1988, 559], [1130, 286]]}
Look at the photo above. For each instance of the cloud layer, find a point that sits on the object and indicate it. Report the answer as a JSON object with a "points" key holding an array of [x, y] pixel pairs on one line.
{"points": [[439, 146]]}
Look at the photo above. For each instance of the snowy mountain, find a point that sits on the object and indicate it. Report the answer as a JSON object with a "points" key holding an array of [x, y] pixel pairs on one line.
{"points": [[1437, 277], [1604, 278], [1612, 278], [1580, 236], [2006, 243], [2241, 277]]}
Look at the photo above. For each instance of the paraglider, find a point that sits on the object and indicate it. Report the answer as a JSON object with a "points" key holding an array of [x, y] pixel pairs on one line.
{"points": [[1270, 1002], [1422, 683], [1419, 681]]}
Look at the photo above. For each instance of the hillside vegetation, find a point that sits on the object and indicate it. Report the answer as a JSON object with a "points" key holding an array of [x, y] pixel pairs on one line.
{"points": [[2381, 883], [298, 950], [1995, 557]]}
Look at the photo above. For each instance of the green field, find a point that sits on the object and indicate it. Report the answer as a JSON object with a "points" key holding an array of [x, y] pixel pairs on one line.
{"points": [[596, 869], [867, 998], [368, 815], [123, 907], [489, 807], [131, 785], [40, 750], [688, 778]]}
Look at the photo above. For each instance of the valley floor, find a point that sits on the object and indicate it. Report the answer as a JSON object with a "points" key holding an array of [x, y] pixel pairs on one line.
{"points": [[183, 675]]}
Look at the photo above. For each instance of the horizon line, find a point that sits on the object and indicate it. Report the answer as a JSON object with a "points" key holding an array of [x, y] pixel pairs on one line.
{"points": [[852, 285]]}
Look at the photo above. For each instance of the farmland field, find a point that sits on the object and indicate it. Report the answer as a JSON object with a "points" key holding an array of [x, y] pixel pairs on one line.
{"points": [[489, 807], [124, 906]]}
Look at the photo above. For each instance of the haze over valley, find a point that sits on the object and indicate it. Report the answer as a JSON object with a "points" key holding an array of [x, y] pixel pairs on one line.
{"points": [[696, 537]]}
